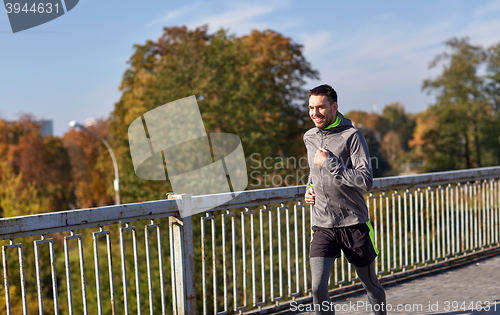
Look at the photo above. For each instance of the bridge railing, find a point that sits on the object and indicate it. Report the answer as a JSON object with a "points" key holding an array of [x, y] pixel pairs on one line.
{"points": [[255, 249], [250, 254], [59, 273]]}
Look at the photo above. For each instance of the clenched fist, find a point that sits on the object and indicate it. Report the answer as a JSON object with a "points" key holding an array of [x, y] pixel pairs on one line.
{"points": [[309, 197], [320, 156]]}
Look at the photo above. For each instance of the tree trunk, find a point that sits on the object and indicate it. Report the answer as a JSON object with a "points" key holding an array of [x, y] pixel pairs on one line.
{"points": [[476, 142], [467, 152], [499, 155]]}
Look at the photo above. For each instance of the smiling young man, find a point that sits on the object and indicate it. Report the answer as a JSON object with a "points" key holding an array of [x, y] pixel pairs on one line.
{"points": [[340, 171]]}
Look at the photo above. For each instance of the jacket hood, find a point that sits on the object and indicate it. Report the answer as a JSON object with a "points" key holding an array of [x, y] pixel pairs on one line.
{"points": [[342, 125]]}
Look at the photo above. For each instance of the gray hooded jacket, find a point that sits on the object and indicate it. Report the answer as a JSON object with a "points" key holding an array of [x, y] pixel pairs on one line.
{"points": [[339, 183]]}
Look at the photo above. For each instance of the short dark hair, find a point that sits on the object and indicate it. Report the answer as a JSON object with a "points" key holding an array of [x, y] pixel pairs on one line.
{"points": [[325, 90]]}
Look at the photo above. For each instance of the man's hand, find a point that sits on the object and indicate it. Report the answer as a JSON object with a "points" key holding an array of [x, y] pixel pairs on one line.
{"points": [[310, 196], [320, 156]]}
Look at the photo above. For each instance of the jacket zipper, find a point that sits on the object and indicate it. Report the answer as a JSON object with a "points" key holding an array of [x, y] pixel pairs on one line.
{"points": [[321, 175]]}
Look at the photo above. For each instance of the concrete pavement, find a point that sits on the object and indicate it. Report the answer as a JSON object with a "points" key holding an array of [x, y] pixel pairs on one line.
{"points": [[471, 289]]}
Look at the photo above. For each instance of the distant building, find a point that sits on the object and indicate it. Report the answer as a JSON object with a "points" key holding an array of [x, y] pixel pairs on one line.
{"points": [[46, 127]]}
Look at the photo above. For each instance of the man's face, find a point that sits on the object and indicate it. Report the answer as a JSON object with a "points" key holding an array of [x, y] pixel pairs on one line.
{"points": [[321, 111]]}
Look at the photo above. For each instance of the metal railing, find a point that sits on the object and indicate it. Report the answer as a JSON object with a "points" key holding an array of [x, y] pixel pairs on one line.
{"points": [[68, 232], [248, 254]]}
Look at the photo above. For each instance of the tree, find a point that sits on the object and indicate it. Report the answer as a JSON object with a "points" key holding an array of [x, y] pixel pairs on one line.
{"points": [[493, 91], [17, 198], [424, 146], [493, 75], [370, 120], [379, 163], [41, 162], [250, 86], [391, 147], [395, 118], [373, 127], [91, 166], [389, 135], [463, 110]]}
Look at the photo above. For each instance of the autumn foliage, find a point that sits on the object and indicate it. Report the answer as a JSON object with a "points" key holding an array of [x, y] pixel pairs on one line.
{"points": [[91, 166], [34, 170], [251, 86]]}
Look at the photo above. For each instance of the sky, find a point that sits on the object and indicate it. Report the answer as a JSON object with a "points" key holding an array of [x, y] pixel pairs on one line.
{"points": [[369, 51]]}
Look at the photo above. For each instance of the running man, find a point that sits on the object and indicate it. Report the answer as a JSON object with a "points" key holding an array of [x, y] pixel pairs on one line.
{"points": [[340, 171]]}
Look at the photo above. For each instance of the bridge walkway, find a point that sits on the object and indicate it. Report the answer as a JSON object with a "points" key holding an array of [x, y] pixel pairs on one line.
{"points": [[477, 283]]}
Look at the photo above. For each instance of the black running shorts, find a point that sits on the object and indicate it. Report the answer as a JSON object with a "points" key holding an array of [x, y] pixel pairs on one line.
{"points": [[356, 241]]}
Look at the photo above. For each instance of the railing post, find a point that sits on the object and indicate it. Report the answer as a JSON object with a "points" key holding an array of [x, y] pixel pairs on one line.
{"points": [[182, 258]]}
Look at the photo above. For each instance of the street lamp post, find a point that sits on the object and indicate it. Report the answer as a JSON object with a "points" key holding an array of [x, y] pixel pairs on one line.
{"points": [[116, 182]]}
